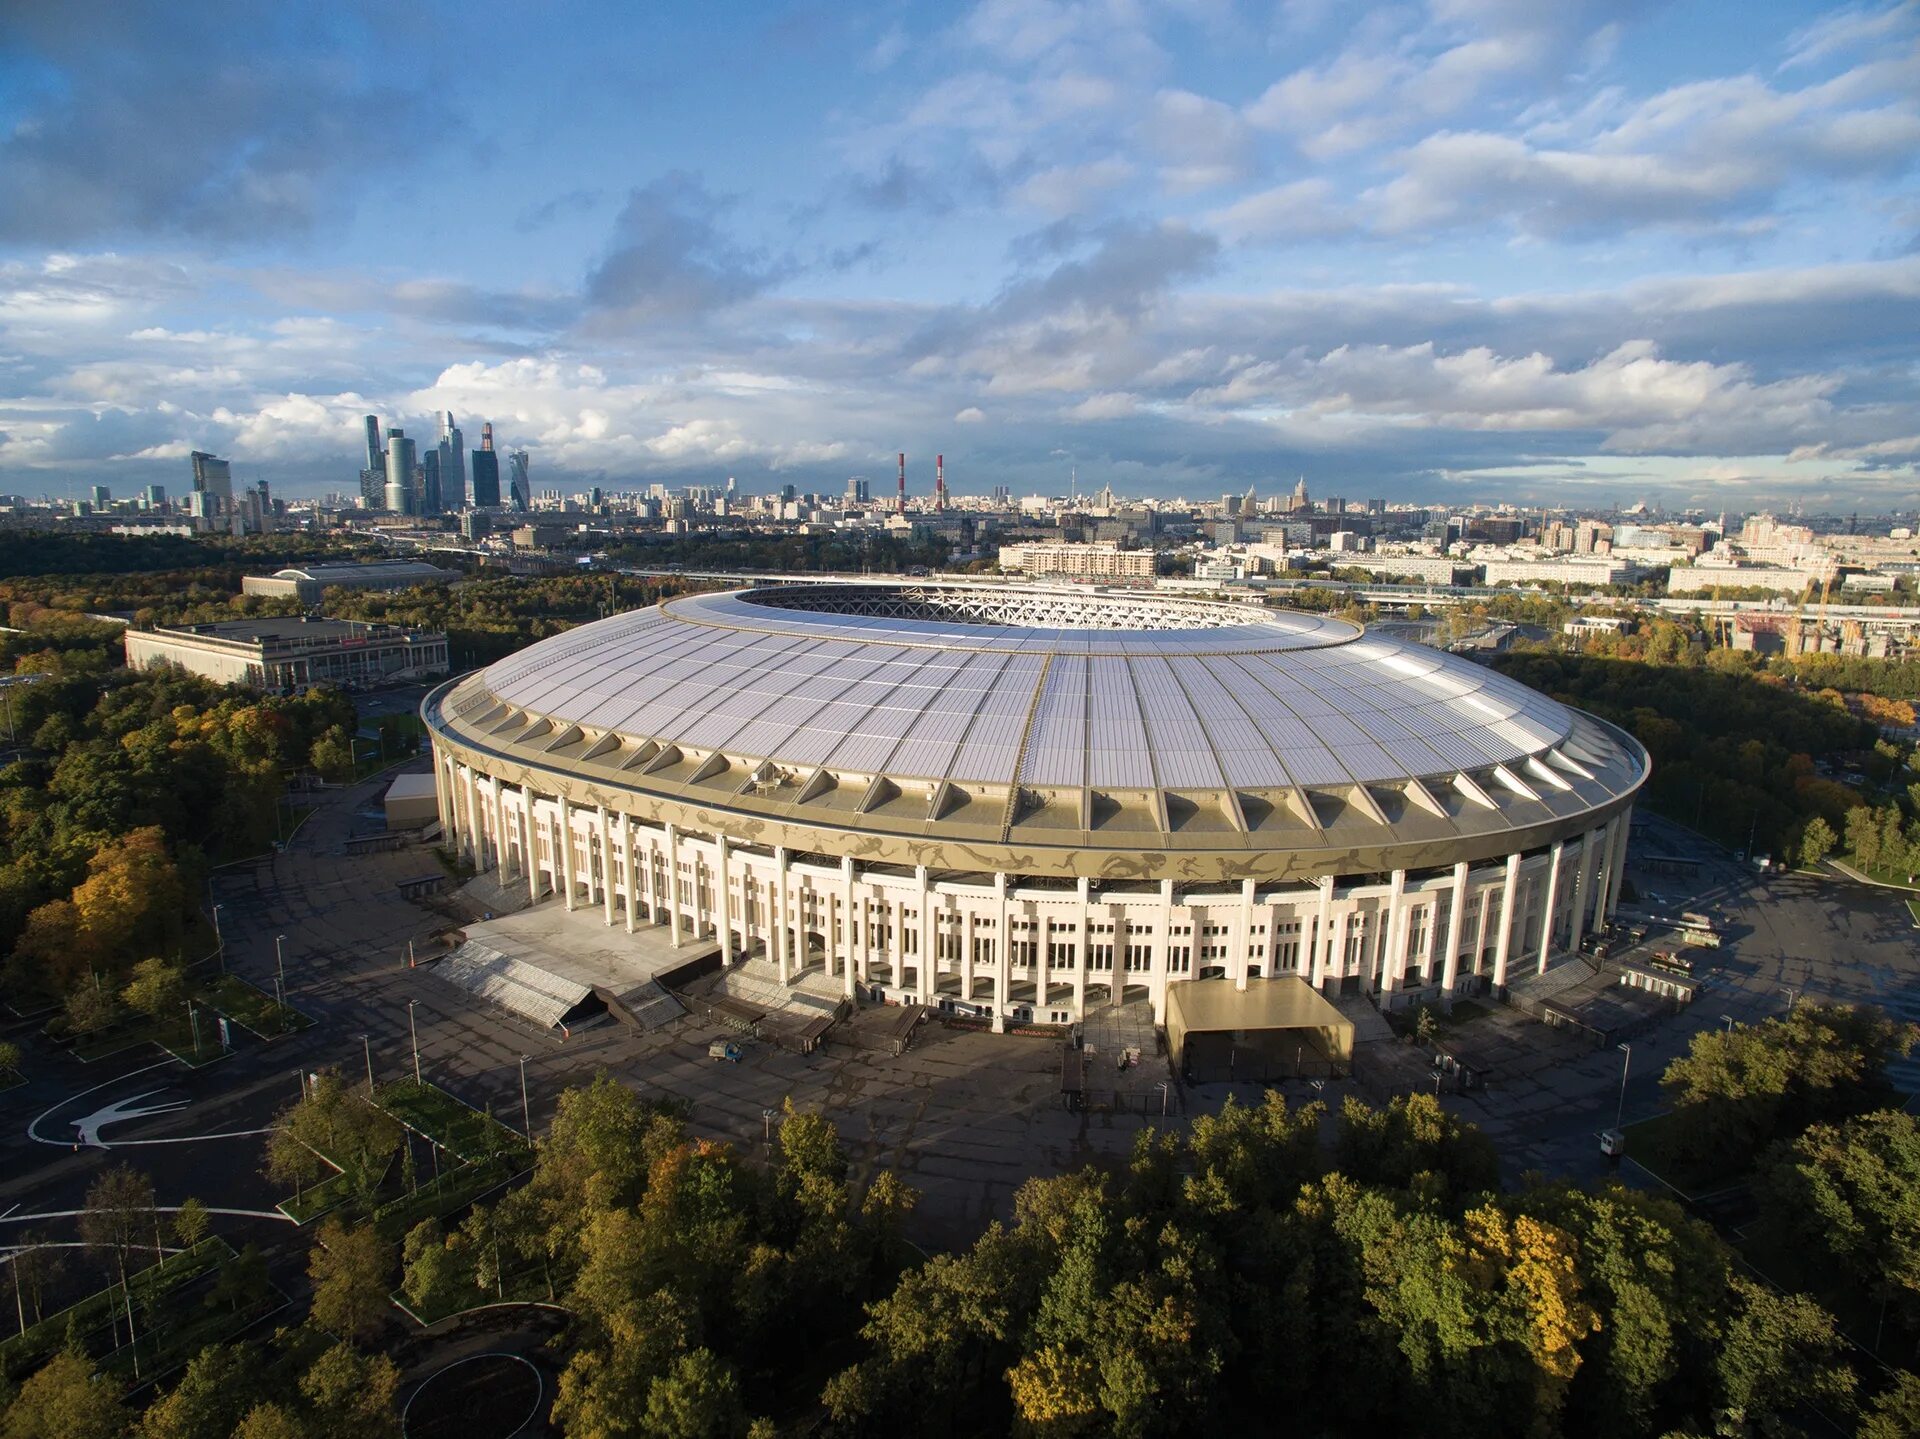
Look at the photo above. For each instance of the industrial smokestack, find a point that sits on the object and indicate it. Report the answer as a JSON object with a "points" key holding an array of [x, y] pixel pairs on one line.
{"points": [[940, 484], [486, 435], [900, 505]]}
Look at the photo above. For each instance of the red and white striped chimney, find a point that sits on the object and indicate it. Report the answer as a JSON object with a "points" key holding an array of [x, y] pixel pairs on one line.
{"points": [[900, 504]]}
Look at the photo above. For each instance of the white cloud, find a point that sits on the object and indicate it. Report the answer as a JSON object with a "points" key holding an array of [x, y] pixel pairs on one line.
{"points": [[971, 415], [1296, 210], [1066, 190]]}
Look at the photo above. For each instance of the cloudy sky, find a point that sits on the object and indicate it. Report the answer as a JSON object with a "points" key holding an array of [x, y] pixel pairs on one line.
{"points": [[1457, 249]]}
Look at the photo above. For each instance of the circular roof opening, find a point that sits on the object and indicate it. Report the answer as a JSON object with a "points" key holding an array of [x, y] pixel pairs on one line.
{"points": [[1006, 606]]}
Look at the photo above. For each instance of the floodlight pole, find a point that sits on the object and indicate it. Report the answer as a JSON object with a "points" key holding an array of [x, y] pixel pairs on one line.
{"points": [[526, 1112], [1626, 1060], [413, 1031]]}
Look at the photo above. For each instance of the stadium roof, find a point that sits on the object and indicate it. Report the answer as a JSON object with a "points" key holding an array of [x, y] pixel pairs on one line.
{"points": [[1086, 710]]}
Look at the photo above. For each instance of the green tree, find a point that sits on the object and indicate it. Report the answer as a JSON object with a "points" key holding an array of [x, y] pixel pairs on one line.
{"points": [[1816, 842], [332, 755], [220, 1384], [1735, 1091], [1844, 1201], [337, 1120], [697, 1398], [271, 1421], [430, 1274], [119, 1218], [1414, 1144], [242, 1281], [89, 1010], [1895, 1411], [351, 1273], [65, 1399], [191, 1222], [156, 989], [1779, 1354], [9, 1059], [1863, 837], [350, 1394]]}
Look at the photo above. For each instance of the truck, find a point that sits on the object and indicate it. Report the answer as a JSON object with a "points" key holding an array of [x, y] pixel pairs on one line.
{"points": [[727, 1049]]}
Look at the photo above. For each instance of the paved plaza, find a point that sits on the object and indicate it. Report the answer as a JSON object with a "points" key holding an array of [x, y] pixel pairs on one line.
{"points": [[964, 1116]]}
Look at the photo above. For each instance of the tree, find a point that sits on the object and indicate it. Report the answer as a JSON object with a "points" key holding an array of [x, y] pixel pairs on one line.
{"points": [[65, 1400], [191, 1222], [89, 1009], [332, 755], [242, 1281], [1863, 837], [155, 988], [350, 1269], [1414, 1144], [220, 1384], [36, 1269], [337, 1120], [1895, 1411], [1844, 1201], [1735, 1091], [697, 1398], [1816, 842], [270, 1421], [118, 1217], [9, 1058], [1780, 1352], [430, 1273], [133, 893], [351, 1394]]}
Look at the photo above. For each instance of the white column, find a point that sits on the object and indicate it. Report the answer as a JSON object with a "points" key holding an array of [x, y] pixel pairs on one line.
{"points": [[1160, 954], [1625, 821], [1553, 899], [673, 882], [966, 951], [782, 941], [846, 885], [473, 832], [632, 871], [1082, 949], [1433, 937], [1322, 955], [1602, 875], [526, 844], [566, 847], [1480, 931], [1508, 897], [500, 828], [1002, 954], [1246, 937], [443, 795], [1037, 927], [929, 980], [725, 927], [1393, 952], [1456, 918], [606, 867], [1337, 950], [1582, 887]]}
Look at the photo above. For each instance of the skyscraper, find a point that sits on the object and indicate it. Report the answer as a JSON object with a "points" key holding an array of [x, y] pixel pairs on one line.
{"points": [[453, 464], [430, 479], [486, 470], [517, 480], [399, 472], [376, 458], [213, 478]]}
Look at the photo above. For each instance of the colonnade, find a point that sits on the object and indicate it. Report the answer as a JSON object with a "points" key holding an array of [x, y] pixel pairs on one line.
{"points": [[1020, 949]]}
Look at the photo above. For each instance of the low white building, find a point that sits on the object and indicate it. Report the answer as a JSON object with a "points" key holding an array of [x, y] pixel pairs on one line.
{"points": [[1093, 561], [287, 656]]}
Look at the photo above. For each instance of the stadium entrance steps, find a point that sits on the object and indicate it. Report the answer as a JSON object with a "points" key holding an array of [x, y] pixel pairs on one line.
{"points": [[750, 997], [557, 968]]}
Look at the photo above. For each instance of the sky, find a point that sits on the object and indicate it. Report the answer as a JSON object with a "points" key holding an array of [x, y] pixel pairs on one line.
{"points": [[1454, 251]]}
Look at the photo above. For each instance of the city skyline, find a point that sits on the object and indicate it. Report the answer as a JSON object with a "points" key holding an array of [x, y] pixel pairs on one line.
{"points": [[1458, 253]]}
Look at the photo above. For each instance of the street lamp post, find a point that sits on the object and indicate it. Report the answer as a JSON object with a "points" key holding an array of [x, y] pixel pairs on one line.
{"points": [[526, 1112], [219, 939], [1626, 1060], [413, 1031], [280, 957], [1788, 991], [193, 1018], [1727, 1019], [366, 1043]]}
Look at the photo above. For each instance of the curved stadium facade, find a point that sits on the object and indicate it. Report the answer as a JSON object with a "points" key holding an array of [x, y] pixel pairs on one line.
{"points": [[1026, 803]]}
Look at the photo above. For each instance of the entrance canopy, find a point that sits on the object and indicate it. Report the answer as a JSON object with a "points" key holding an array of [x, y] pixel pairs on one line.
{"points": [[1271, 1029]]}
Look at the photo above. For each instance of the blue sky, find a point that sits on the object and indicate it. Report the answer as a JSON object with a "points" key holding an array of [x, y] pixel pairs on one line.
{"points": [[1456, 250]]}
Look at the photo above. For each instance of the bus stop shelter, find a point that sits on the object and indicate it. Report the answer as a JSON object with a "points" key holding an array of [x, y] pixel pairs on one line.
{"points": [[1273, 1029]]}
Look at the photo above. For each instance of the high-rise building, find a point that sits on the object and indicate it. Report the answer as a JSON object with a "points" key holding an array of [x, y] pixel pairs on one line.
{"points": [[430, 479], [400, 467], [213, 478], [376, 457], [102, 497], [453, 464], [486, 470], [373, 487], [155, 498], [517, 480]]}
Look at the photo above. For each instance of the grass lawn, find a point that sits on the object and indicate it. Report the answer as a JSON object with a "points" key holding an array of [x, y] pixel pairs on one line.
{"points": [[453, 1191], [523, 1281], [252, 1008], [431, 1112], [175, 1035], [1913, 908], [93, 1317], [317, 1199], [1650, 1145]]}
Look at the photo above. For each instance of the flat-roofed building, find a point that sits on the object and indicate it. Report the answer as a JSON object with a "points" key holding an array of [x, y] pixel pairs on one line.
{"points": [[1095, 561], [307, 583], [286, 656]]}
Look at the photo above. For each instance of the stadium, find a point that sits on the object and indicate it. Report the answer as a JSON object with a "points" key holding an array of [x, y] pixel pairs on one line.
{"points": [[1023, 803]]}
